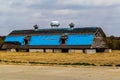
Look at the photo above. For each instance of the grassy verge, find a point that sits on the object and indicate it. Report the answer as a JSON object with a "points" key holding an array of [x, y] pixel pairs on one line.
{"points": [[99, 59], [36, 63]]}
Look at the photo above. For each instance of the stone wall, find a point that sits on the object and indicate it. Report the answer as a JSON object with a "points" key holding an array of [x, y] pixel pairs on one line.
{"points": [[49, 50], [75, 51], [36, 50], [90, 51], [57, 51]]}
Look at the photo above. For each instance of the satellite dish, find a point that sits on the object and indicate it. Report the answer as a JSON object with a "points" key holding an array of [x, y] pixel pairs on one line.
{"points": [[55, 23]]}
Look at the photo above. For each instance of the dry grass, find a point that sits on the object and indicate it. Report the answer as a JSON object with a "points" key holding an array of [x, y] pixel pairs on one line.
{"points": [[105, 59]]}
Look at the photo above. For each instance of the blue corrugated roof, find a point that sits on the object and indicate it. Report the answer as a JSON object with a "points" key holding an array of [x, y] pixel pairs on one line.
{"points": [[80, 39], [73, 39], [45, 40], [19, 39]]}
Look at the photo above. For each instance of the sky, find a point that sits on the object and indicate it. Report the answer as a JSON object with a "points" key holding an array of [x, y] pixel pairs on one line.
{"points": [[23, 14]]}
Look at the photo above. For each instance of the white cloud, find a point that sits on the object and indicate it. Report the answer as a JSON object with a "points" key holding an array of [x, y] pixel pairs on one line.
{"points": [[65, 12], [37, 15], [16, 13], [91, 2]]}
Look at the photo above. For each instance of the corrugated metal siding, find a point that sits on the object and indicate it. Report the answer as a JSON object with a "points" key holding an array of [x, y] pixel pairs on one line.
{"points": [[45, 40], [19, 39], [80, 39]]}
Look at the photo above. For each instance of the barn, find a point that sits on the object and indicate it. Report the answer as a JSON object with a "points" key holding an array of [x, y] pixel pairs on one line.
{"points": [[67, 40]]}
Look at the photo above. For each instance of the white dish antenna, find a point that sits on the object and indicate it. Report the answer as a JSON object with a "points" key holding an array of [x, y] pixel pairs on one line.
{"points": [[55, 24]]}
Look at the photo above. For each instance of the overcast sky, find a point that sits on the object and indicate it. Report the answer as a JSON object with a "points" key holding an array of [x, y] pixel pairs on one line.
{"points": [[23, 14]]}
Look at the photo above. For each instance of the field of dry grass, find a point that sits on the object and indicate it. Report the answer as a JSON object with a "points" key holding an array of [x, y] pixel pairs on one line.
{"points": [[99, 59]]}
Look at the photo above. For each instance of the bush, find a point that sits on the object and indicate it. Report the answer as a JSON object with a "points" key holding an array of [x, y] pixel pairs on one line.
{"points": [[118, 65], [107, 65], [113, 42]]}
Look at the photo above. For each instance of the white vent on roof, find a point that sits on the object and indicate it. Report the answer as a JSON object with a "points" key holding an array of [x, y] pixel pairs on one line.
{"points": [[54, 24]]}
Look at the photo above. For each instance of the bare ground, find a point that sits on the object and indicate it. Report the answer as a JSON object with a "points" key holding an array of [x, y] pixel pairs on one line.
{"points": [[26, 72]]}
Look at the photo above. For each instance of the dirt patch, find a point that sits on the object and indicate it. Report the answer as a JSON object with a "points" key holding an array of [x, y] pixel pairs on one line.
{"points": [[22, 72]]}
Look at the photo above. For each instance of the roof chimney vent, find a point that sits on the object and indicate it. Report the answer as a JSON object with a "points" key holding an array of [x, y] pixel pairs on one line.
{"points": [[71, 25], [35, 27]]}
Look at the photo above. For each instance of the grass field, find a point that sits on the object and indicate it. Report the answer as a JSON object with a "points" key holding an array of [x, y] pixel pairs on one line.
{"points": [[98, 59]]}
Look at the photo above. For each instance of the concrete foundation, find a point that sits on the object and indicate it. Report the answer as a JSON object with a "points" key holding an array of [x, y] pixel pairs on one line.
{"points": [[49, 50], [75, 51], [57, 50], [108, 50], [90, 51], [36, 50], [78, 51], [11, 50], [71, 51]]}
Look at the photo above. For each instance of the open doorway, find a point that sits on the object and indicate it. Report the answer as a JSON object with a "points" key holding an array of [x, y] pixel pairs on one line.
{"points": [[63, 38], [63, 41], [65, 50]]}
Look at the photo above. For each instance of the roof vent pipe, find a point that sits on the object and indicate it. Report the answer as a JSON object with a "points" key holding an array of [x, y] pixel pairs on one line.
{"points": [[35, 27], [71, 25]]}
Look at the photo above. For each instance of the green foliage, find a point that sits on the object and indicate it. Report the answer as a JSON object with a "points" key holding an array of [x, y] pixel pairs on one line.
{"points": [[107, 65], [113, 42], [2, 39], [84, 64], [118, 65]]}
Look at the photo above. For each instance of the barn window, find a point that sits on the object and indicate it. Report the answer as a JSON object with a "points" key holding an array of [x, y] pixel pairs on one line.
{"points": [[63, 38], [65, 50], [63, 41], [26, 40]]}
